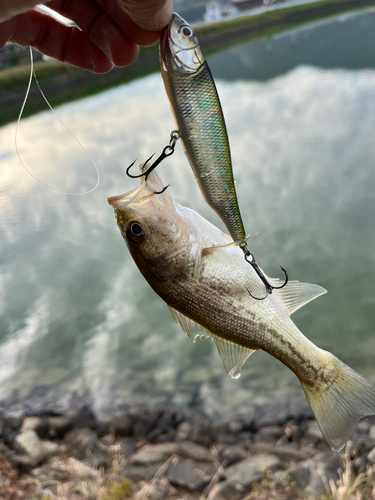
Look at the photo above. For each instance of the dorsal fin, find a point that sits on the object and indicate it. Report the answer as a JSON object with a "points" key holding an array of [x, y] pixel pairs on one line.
{"points": [[232, 355], [296, 294]]}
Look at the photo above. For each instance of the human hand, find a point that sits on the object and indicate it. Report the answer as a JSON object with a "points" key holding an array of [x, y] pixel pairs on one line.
{"points": [[110, 30]]}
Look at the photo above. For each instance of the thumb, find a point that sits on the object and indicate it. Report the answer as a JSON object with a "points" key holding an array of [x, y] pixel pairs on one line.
{"points": [[151, 15]]}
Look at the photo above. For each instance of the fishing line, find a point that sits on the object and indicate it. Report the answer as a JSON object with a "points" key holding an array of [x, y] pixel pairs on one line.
{"points": [[33, 75]]}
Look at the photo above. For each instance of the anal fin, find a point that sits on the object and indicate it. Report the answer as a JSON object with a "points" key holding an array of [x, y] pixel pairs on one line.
{"points": [[190, 327], [232, 355]]}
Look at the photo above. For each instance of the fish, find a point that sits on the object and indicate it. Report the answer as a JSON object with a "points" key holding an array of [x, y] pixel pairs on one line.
{"points": [[200, 121], [206, 295]]}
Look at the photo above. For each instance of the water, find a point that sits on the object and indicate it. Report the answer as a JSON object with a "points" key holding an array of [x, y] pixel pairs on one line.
{"points": [[78, 321]]}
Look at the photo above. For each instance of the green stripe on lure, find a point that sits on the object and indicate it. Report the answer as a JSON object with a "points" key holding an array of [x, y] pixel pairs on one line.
{"points": [[199, 118]]}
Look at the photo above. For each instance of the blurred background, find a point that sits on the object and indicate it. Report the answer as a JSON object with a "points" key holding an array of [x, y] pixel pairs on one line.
{"points": [[78, 323]]}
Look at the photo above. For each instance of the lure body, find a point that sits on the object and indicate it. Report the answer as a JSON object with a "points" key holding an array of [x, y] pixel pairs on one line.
{"points": [[199, 118], [206, 294]]}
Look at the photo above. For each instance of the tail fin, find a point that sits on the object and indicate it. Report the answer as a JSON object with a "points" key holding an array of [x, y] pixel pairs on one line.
{"points": [[340, 403]]}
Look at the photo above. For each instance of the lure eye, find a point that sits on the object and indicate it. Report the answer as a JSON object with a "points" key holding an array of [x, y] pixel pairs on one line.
{"points": [[135, 232], [187, 31]]}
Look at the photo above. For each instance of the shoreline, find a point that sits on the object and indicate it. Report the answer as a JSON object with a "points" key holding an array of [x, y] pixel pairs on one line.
{"points": [[159, 454], [62, 83]]}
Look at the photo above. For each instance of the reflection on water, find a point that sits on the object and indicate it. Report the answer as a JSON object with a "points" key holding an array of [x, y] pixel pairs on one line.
{"points": [[76, 317]]}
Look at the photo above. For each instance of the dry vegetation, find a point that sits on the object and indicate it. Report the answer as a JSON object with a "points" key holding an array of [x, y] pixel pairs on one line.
{"points": [[65, 478]]}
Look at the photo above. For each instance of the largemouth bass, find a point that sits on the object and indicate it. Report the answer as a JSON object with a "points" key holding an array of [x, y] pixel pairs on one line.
{"points": [[206, 294], [199, 118]]}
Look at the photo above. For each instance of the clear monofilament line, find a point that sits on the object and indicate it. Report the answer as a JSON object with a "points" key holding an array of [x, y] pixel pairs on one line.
{"points": [[32, 74]]}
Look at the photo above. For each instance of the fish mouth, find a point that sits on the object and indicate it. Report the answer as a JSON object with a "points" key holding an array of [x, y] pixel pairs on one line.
{"points": [[176, 17], [123, 200], [164, 41], [112, 200], [132, 198]]}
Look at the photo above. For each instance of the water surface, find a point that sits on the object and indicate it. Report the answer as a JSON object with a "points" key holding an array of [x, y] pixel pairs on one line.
{"points": [[78, 321]]}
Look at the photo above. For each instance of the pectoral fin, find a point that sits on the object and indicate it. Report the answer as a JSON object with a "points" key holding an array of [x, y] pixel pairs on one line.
{"points": [[296, 294], [190, 327], [232, 355]]}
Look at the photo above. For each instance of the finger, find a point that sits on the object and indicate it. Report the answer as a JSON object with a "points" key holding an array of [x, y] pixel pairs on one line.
{"points": [[56, 40], [90, 16], [150, 15], [12, 8]]}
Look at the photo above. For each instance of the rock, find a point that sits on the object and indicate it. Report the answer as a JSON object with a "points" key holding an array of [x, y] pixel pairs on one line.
{"points": [[277, 421], [128, 446], [293, 432], [363, 445], [13, 419], [371, 456], [285, 453], [166, 437], [143, 472], [313, 434], [252, 469], [135, 471], [169, 420], [226, 490], [244, 437], [189, 449], [104, 426], [300, 474], [308, 475], [37, 450], [155, 434], [183, 431], [359, 464], [363, 427], [85, 446], [226, 438], [235, 427], [31, 423], [186, 473], [202, 434], [233, 454], [59, 426], [145, 423], [269, 434], [372, 432], [9, 436], [82, 419], [38, 473], [151, 454], [122, 425]]}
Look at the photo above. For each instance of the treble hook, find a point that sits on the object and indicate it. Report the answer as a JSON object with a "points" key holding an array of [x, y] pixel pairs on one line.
{"points": [[167, 151], [249, 257]]}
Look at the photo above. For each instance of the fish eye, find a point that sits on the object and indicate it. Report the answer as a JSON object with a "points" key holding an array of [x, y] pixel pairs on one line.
{"points": [[135, 232], [186, 30]]}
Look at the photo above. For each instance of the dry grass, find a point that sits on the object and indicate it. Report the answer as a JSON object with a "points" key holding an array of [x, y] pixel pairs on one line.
{"points": [[351, 486], [65, 478]]}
